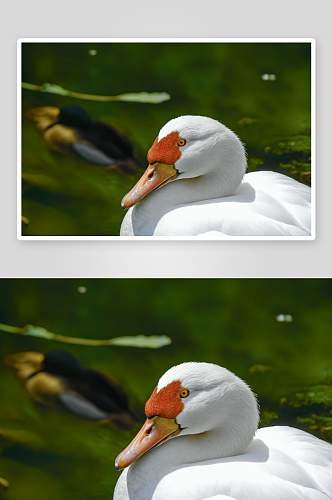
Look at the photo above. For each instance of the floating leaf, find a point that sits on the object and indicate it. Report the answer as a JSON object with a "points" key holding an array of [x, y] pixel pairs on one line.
{"points": [[266, 417], [300, 169], [152, 342], [38, 331], [54, 89], [317, 394], [322, 423], [146, 97], [153, 97], [297, 143], [253, 163]]}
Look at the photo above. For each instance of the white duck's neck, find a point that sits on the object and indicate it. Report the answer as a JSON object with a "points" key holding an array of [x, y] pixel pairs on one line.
{"points": [[145, 474], [230, 437], [196, 448], [214, 184]]}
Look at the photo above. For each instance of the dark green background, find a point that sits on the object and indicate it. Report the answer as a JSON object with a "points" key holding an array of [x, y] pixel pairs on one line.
{"points": [[65, 196], [231, 322]]}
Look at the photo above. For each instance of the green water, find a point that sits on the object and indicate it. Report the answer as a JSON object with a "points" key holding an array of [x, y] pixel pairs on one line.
{"points": [[231, 322], [66, 196]]}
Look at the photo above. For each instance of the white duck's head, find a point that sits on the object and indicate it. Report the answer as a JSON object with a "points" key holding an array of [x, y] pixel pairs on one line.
{"points": [[190, 147], [197, 399]]}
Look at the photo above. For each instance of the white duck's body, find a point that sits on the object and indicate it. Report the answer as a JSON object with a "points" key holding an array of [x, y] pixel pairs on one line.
{"points": [[204, 189], [213, 450]]}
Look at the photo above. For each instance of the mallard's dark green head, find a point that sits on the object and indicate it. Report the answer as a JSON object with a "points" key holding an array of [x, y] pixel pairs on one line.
{"points": [[62, 363], [74, 116]]}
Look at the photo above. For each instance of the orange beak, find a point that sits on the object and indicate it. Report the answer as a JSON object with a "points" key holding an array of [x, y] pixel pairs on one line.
{"points": [[154, 432], [155, 176]]}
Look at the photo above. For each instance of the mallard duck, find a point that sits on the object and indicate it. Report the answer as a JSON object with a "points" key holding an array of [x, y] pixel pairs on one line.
{"points": [[195, 185], [200, 441], [57, 377], [71, 129]]}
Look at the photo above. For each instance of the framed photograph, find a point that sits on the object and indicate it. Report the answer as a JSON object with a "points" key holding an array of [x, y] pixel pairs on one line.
{"points": [[166, 138], [79, 366]]}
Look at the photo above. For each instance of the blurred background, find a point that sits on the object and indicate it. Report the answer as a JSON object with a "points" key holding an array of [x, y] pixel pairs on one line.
{"points": [[259, 90], [273, 333]]}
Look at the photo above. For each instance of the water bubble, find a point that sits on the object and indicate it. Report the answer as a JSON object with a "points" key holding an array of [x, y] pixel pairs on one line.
{"points": [[92, 52], [82, 289], [287, 318]]}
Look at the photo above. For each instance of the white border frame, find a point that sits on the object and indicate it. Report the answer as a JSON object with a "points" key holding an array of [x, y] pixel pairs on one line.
{"points": [[312, 41]]}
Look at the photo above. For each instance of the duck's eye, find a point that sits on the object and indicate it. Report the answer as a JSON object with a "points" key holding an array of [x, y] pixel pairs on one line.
{"points": [[184, 393], [181, 142]]}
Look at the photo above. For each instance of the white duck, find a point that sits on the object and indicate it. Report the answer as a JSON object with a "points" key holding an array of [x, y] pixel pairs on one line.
{"points": [[205, 419], [200, 165]]}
